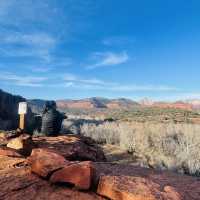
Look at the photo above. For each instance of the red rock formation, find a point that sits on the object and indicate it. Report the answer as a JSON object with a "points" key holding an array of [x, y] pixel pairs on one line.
{"points": [[126, 182], [44, 161], [176, 105], [20, 184], [79, 174], [17, 182], [72, 147], [113, 181]]}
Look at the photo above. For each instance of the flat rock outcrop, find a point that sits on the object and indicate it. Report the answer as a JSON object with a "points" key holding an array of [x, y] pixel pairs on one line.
{"points": [[72, 147], [126, 182]]}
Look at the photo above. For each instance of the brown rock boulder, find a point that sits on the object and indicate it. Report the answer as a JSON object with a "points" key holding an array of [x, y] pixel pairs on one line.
{"points": [[78, 174], [6, 151], [23, 144], [126, 182], [44, 161], [72, 147]]}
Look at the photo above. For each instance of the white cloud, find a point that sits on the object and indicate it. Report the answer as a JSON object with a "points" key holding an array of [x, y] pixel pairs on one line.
{"points": [[127, 88], [30, 81], [33, 29], [80, 80], [108, 59], [97, 84], [36, 39], [38, 45]]}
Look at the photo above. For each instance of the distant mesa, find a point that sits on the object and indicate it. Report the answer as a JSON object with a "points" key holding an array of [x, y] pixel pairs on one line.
{"points": [[195, 103], [184, 105], [176, 105]]}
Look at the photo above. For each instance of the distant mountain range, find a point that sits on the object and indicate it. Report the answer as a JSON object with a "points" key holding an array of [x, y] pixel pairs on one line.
{"points": [[9, 106], [7, 101], [96, 102], [121, 103]]}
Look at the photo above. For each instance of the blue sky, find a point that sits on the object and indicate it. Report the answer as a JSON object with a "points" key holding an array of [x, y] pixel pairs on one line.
{"points": [[111, 48]]}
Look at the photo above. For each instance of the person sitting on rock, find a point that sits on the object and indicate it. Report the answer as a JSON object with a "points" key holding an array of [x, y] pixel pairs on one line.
{"points": [[51, 119]]}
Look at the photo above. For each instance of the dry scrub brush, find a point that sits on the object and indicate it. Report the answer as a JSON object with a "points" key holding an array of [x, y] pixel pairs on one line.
{"points": [[166, 146]]}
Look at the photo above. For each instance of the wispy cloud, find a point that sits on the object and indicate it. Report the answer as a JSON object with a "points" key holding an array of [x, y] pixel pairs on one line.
{"points": [[103, 59], [31, 29], [36, 39], [76, 79], [78, 82], [38, 31], [124, 88], [145, 88], [38, 45], [30, 81]]}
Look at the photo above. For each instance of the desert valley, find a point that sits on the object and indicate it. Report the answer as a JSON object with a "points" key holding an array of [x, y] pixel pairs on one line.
{"points": [[117, 149]]}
